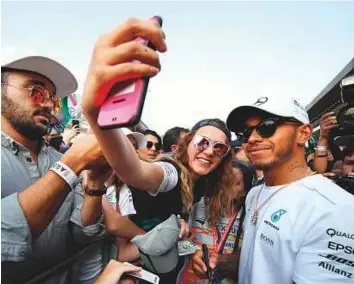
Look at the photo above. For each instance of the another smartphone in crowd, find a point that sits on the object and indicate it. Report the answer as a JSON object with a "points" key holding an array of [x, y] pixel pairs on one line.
{"points": [[75, 122], [124, 104]]}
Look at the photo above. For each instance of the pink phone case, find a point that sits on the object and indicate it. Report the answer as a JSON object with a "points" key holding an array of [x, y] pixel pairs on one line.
{"points": [[124, 106]]}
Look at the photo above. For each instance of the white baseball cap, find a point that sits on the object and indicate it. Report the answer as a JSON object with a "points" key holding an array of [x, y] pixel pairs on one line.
{"points": [[63, 80], [277, 106], [140, 138]]}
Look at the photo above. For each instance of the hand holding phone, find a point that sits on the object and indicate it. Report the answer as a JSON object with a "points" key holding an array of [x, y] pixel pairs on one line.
{"points": [[144, 275], [206, 261], [114, 271], [124, 105]]}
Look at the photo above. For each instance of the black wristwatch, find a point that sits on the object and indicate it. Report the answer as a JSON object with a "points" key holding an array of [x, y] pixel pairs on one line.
{"points": [[96, 192]]}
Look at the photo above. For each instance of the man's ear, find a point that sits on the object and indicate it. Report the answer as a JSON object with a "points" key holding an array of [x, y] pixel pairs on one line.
{"points": [[304, 134], [174, 148]]}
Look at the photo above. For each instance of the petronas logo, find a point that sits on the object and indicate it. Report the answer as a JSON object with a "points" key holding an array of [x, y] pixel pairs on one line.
{"points": [[276, 215]]}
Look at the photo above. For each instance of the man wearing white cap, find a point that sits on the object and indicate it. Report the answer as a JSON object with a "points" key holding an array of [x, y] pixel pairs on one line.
{"points": [[299, 225], [39, 211]]}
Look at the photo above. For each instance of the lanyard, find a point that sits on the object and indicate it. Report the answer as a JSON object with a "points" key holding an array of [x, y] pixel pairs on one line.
{"points": [[219, 244]]}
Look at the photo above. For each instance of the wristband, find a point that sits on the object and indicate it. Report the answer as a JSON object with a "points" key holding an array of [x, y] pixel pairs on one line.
{"points": [[65, 173], [321, 156], [322, 148], [96, 192]]}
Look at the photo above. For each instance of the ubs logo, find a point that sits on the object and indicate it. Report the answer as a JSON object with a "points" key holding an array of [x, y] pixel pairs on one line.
{"points": [[261, 101]]}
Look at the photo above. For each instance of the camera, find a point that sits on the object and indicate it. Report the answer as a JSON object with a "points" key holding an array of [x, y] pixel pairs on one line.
{"points": [[344, 134], [345, 115]]}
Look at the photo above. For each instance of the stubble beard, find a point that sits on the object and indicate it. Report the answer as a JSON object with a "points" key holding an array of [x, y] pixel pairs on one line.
{"points": [[282, 156], [21, 119]]}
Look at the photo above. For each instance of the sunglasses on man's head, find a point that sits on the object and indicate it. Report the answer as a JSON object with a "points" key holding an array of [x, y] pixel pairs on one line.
{"points": [[202, 143], [157, 145], [265, 129], [59, 128]]}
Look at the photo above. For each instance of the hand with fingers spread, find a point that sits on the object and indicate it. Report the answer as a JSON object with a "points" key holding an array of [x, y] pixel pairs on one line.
{"points": [[328, 122], [117, 57], [114, 271]]}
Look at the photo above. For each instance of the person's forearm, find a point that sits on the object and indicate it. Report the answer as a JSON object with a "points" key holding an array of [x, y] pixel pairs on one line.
{"points": [[126, 251], [41, 201], [125, 228], [91, 210], [320, 162], [122, 157]]}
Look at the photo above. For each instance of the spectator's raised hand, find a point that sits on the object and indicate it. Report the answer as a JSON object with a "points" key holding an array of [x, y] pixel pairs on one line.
{"points": [[328, 122], [96, 177], [69, 134], [115, 57]]}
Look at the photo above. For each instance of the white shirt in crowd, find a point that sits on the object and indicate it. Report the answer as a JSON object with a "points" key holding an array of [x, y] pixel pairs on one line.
{"points": [[125, 200], [304, 234]]}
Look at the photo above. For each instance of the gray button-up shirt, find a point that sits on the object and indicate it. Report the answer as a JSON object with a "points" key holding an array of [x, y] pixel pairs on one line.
{"points": [[21, 257]]}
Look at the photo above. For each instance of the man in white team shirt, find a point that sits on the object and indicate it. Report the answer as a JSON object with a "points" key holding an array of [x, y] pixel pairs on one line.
{"points": [[299, 226]]}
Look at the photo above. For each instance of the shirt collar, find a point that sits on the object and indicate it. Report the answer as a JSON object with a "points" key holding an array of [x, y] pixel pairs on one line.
{"points": [[15, 147]]}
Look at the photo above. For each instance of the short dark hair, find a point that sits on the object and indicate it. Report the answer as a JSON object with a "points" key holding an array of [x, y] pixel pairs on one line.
{"points": [[172, 137], [4, 75], [347, 152], [153, 133]]}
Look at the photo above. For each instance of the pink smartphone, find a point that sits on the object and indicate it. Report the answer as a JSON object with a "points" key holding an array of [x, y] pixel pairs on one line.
{"points": [[124, 105]]}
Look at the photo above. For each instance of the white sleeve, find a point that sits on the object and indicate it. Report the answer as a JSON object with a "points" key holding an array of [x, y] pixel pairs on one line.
{"points": [[326, 254], [126, 204], [170, 178]]}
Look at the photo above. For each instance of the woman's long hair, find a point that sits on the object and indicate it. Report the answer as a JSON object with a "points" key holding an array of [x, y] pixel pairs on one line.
{"points": [[217, 185]]}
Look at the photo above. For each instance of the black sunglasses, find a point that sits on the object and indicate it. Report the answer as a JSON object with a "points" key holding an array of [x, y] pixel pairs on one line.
{"points": [[265, 129], [157, 145]]}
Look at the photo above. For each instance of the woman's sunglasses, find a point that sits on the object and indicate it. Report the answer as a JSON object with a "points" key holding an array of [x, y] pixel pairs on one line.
{"points": [[202, 143], [59, 128], [265, 129], [157, 145]]}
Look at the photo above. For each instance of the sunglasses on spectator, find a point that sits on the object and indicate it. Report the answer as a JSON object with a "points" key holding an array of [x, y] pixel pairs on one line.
{"points": [[202, 143], [39, 94], [59, 128], [157, 145], [265, 129]]}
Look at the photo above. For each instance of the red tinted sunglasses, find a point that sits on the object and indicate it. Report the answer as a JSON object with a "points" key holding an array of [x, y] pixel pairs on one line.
{"points": [[202, 143], [39, 94]]}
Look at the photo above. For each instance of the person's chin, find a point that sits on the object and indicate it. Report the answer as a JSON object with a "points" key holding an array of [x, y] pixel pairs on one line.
{"points": [[201, 170]]}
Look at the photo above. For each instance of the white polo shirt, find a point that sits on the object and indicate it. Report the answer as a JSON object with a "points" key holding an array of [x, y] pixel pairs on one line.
{"points": [[305, 234]]}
